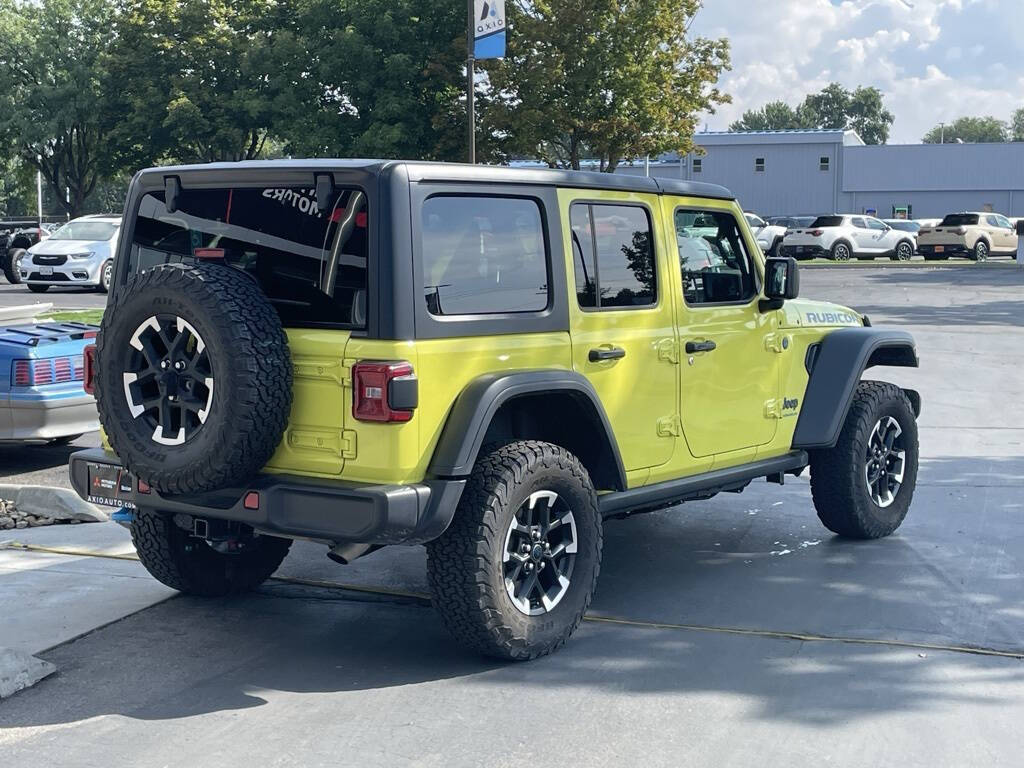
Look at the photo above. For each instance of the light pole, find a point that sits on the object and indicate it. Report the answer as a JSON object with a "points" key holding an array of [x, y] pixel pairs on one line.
{"points": [[471, 77], [942, 133]]}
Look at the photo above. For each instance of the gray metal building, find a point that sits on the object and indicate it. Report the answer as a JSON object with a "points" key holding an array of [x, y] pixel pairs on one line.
{"points": [[813, 172]]}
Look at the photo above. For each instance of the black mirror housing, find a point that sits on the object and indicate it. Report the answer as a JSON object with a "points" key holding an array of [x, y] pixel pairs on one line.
{"points": [[781, 281]]}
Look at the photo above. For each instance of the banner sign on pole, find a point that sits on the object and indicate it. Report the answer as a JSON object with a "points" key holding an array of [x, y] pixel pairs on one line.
{"points": [[489, 29]]}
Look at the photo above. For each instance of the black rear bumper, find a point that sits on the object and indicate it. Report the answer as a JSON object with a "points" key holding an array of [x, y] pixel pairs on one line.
{"points": [[302, 507]]}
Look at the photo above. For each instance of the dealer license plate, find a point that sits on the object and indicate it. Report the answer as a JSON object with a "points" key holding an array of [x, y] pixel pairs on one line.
{"points": [[799, 249], [940, 248], [46, 271], [110, 486]]}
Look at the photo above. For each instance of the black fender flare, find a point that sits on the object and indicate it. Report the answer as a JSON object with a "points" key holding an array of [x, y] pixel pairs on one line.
{"points": [[836, 364], [471, 415]]}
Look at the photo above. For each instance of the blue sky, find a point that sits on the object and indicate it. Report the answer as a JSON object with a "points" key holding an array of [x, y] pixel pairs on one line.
{"points": [[934, 60]]}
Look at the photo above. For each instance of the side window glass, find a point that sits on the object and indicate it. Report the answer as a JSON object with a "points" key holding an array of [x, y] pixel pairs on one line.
{"points": [[483, 255], [616, 268], [583, 256], [859, 223], [876, 224], [715, 265], [992, 221]]}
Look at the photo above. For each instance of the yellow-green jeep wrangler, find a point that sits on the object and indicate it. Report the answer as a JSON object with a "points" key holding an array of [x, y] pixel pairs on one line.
{"points": [[488, 361]]}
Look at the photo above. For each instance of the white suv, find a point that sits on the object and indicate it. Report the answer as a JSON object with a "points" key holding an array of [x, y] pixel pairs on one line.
{"points": [[769, 236], [842, 237], [81, 253]]}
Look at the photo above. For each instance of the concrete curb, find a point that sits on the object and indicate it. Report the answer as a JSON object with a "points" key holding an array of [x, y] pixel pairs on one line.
{"points": [[54, 503], [19, 671]]}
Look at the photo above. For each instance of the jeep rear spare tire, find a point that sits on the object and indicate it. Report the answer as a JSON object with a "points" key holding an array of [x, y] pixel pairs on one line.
{"points": [[194, 377]]}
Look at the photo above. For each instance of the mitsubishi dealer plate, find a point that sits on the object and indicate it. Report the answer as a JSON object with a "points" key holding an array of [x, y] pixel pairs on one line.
{"points": [[110, 486], [46, 271]]}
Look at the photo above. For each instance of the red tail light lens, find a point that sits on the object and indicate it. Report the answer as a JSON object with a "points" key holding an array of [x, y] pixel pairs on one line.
{"points": [[48, 370], [383, 391], [816, 232], [89, 368]]}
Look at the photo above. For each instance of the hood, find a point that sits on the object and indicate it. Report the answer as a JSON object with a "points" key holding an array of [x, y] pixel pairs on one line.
{"points": [[808, 313], [65, 247]]}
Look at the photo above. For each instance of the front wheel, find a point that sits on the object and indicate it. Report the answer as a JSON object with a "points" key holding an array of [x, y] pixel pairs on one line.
{"points": [[195, 566], [106, 275], [516, 569], [904, 252], [863, 486]]}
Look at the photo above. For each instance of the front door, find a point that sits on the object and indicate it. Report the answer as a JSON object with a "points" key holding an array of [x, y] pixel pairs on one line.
{"points": [[730, 369], [622, 320]]}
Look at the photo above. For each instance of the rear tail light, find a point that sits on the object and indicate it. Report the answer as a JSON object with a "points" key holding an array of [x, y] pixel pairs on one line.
{"points": [[384, 390], [816, 232], [208, 253], [89, 368], [961, 230], [45, 371]]}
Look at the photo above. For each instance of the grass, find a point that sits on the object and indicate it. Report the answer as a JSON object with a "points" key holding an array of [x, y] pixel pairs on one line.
{"points": [[92, 316]]}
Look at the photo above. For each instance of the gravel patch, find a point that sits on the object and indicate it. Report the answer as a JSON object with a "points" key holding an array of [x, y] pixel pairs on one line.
{"points": [[11, 518]]}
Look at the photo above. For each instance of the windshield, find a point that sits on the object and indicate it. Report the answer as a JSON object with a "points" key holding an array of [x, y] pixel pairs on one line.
{"points": [[311, 265], [828, 221], [85, 230], [960, 220]]}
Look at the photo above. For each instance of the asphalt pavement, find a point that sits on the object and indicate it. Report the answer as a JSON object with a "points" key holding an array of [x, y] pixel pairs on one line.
{"points": [[724, 632], [61, 298]]}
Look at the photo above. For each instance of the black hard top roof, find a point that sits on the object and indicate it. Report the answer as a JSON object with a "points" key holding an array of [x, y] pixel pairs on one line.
{"points": [[424, 171]]}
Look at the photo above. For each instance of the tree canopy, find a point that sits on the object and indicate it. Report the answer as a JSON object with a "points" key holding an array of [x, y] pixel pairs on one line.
{"points": [[612, 80], [833, 108], [969, 130]]}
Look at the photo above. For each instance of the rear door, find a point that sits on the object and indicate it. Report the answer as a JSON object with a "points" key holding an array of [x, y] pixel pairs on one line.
{"points": [[729, 372], [622, 319]]}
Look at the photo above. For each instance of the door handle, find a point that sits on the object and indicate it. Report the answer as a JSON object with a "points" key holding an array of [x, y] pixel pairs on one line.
{"points": [[606, 353], [700, 346]]}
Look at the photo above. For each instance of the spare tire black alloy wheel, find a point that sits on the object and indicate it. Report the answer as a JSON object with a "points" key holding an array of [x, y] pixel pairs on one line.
{"points": [[169, 381], [540, 552]]}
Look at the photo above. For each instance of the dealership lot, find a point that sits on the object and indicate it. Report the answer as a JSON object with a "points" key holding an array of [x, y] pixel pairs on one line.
{"points": [[313, 674], [61, 298]]}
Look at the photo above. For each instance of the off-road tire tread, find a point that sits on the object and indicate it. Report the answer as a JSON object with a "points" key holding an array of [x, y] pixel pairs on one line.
{"points": [[259, 348], [842, 504], [203, 571], [458, 562]]}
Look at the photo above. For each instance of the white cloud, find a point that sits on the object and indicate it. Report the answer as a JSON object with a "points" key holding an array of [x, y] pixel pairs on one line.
{"points": [[934, 60]]}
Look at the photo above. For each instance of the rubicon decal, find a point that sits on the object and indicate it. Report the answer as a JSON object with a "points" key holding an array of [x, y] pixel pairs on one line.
{"points": [[831, 318]]}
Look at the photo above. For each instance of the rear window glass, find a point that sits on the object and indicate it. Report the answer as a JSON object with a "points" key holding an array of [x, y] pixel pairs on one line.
{"points": [[827, 221], [960, 220], [311, 265], [483, 255]]}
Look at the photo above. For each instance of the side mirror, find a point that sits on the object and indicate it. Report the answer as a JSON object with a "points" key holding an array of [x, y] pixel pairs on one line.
{"points": [[781, 282]]}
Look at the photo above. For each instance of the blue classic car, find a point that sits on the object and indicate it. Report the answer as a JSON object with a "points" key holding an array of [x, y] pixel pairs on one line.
{"points": [[42, 397]]}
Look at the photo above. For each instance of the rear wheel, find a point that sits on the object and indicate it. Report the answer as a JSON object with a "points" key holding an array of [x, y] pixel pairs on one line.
{"points": [[516, 570], [37, 288], [863, 486], [980, 252], [198, 567], [841, 252]]}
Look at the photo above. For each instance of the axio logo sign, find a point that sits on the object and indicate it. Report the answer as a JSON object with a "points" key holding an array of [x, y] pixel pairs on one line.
{"points": [[489, 30]]}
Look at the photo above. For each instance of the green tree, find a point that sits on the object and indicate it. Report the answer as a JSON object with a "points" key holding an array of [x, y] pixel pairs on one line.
{"points": [[193, 80], [775, 116], [832, 108], [1017, 125], [52, 105], [969, 130], [615, 79], [377, 78]]}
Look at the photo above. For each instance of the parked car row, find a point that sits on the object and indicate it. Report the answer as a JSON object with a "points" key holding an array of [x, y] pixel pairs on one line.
{"points": [[16, 237], [841, 237]]}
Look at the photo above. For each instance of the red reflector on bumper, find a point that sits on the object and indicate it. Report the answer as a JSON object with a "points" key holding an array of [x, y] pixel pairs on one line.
{"points": [[252, 500]]}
